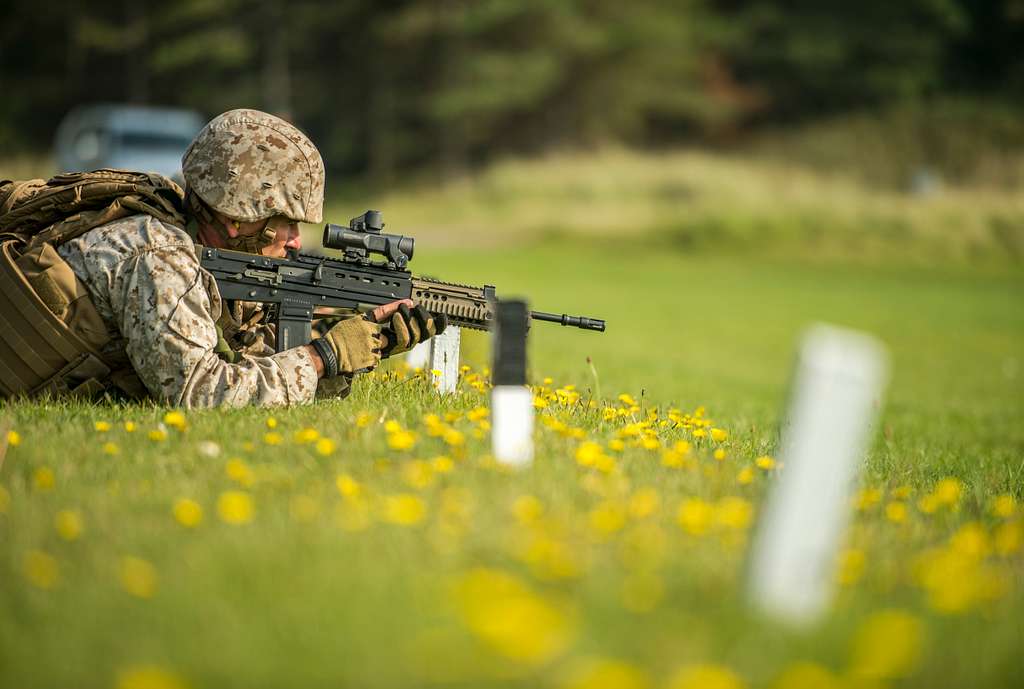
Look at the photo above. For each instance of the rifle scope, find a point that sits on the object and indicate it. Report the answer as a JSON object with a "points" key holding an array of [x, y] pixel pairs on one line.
{"points": [[364, 237]]}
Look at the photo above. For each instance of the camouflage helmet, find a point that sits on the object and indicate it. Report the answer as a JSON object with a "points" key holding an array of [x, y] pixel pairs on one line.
{"points": [[250, 165]]}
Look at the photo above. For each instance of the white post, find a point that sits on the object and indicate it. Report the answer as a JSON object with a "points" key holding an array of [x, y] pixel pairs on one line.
{"points": [[418, 356], [837, 389], [444, 357]]}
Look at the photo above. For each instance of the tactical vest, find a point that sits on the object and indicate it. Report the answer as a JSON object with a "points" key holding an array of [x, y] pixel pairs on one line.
{"points": [[51, 334]]}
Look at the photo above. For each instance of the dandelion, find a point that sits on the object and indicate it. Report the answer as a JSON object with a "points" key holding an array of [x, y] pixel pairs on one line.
{"points": [[765, 462], [1006, 540], [363, 419], [948, 491], [719, 435], [306, 436], [149, 677], [271, 422], [887, 645], [734, 513], [616, 445], [527, 509], [401, 440], [325, 447], [719, 454], [129, 426], [138, 577], [745, 476], [347, 486], [867, 498], [1004, 506], [928, 504], [68, 524], [175, 419], [644, 503], [454, 438], [442, 464], [478, 414], [706, 677], [607, 518], [539, 402], [111, 449], [40, 569], [13, 438], [511, 619], [101, 426], [627, 400], [43, 479], [158, 435], [588, 453], [700, 433], [404, 509], [272, 438], [694, 516], [187, 512], [600, 673], [239, 472], [235, 507], [896, 512], [417, 474]]}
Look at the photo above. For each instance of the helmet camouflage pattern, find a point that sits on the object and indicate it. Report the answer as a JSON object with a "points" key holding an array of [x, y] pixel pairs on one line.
{"points": [[250, 165]]}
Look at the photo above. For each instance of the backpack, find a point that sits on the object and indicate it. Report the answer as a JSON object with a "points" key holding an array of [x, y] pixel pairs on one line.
{"points": [[51, 335]]}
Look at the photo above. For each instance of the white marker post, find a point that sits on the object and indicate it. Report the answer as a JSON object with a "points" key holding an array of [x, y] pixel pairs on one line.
{"points": [[439, 353], [837, 388], [511, 400]]}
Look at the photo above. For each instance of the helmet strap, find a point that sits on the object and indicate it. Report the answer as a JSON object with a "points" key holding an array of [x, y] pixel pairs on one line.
{"points": [[252, 244]]}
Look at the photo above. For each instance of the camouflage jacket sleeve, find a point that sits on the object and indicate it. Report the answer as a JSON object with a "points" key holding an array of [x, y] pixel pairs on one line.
{"points": [[148, 279]]}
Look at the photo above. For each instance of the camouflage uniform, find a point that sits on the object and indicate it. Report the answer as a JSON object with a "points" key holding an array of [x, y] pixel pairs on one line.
{"points": [[161, 308]]}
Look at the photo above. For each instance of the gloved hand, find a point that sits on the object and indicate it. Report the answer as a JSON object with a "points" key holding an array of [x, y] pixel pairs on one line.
{"points": [[351, 346], [408, 327]]}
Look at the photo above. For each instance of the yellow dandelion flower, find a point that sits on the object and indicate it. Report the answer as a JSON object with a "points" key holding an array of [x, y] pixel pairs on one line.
{"points": [[644, 503], [129, 426], [700, 433], [101, 426], [539, 402], [363, 419], [404, 509], [187, 512], [436, 372], [13, 438], [745, 476], [527, 509], [804, 675], [1004, 506], [887, 645], [175, 419], [627, 400], [454, 438], [1006, 539], [272, 438], [325, 447], [607, 518], [442, 464], [69, 524], [271, 422], [695, 516], [902, 492], [719, 454], [616, 445], [765, 462], [41, 569], [43, 479], [347, 486], [734, 513], [5, 500], [417, 474], [158, 435], [401, 440], [239, 472], [719, 435], [706, 677], [306, 436], [948, 491], [600, 673], [148, 677], [235, 507], [650, 443], [111, 449], [392, 426], [896, 512], [478, 414], [588, 453], [138, 577], [928, 504], [511, 619]]}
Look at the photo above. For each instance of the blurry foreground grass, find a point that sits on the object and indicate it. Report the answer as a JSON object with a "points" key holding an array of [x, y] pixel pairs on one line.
{"points": [[372, 542]]}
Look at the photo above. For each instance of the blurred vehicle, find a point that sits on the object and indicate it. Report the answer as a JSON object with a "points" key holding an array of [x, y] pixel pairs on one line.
{"points": [[129, 137]]}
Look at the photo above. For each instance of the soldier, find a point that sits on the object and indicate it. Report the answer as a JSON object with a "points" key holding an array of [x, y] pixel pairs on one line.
{"points": [[250, 179]]}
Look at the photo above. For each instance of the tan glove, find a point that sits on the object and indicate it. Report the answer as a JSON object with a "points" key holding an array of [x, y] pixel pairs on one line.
{"points": [[351, 346], [408, 327]]}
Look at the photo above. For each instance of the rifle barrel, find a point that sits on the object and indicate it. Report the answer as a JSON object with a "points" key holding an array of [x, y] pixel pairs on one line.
{"points": [[581, 322]]}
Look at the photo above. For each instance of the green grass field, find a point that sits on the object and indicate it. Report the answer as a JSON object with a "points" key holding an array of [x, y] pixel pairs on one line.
{"points": [[372, 542]]}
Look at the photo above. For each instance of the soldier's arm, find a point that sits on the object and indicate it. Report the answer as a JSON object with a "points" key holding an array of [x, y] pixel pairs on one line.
{"points": [[167, 307]]}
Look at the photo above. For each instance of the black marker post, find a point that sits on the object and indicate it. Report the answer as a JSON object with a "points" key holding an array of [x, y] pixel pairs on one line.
{"points": [[511, 399]]}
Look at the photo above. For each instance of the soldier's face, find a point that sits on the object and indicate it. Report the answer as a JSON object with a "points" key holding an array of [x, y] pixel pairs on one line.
{"points": [[287, 236]]}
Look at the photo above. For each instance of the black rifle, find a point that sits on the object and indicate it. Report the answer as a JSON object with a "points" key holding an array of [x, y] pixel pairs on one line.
{"points": [[298, 285]]}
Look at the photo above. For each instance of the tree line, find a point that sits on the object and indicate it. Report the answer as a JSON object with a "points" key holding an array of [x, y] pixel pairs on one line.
{"points": [[384, 86]]}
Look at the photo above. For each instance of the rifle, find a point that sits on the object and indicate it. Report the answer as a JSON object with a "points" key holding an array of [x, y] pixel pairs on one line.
{"points": [[299, 284]]}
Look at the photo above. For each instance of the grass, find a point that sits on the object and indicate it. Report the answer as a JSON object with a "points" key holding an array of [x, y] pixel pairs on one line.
{"points": [[372, 542], [366, 565]]}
